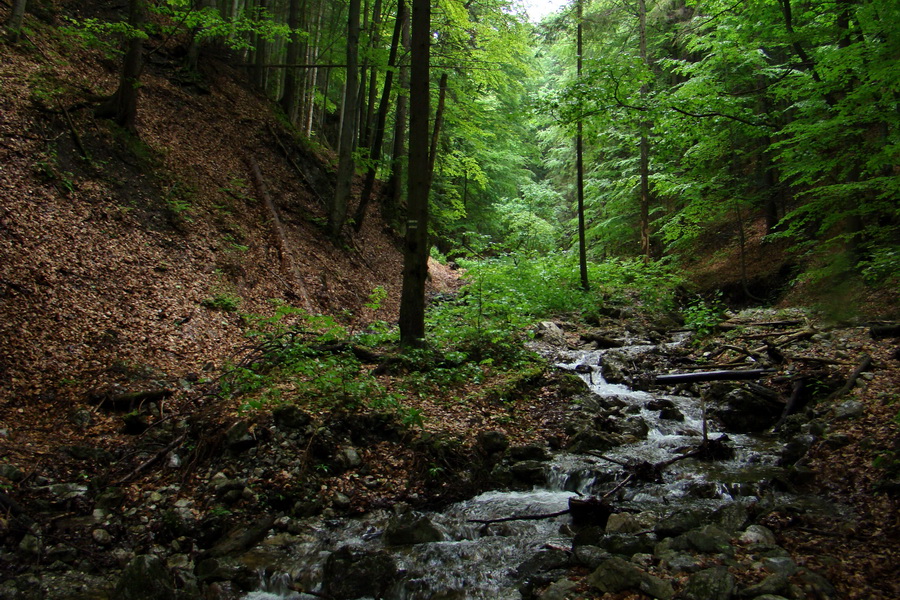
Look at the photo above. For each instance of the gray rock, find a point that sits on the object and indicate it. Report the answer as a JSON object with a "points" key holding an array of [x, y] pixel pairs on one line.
{"points": [[586, 440], [795, 449], [617, 575], [671, 414], [145, 578], [680, 562], [30, 547], [543, 561], [559, 590], [848, 409], [529, 472], [68, 491], [742, 411], [551, 333], [758, 535], [101, 536], [776, 583], [590, 556], [410, 528], [680, 522], [239, 438], [731, 517], [710, 539], [348, 457], [530, 452], [616, 367], [352, 574], [623, 523], [815, 585], [710, 584]]}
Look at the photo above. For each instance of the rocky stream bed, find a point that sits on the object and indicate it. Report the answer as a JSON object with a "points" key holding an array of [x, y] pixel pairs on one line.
{"points": [[689, 486]]}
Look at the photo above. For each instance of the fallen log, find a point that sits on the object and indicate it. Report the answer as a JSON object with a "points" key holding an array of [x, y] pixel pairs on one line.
{"points": [[732, 375], [851, 381], [884, 331], [130, 401]]}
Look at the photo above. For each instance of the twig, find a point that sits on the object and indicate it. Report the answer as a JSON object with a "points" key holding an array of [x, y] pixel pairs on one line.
{"points": [[617, 488], [75, 135], [520, 518]]}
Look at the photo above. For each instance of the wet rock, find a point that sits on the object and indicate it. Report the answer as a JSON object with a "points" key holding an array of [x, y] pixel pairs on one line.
{"points": [[780, 564], [530, 452], [680, 522], [410, 528], [68, 491], [623, 523], [616, 367], [289, 416], [493, 441], [348, 458], [101, 536], [590, 556], [659, 404], [671, 414], [559, 590], [710, 584], [543, 561], [586, 440], [242, 537], [616, 575], [772, 585], [341, 501], [635, 427], [145, 578], [795, 449], [529, 472], [352, 574], [621, 544], [110, 498], [551, 333], [742, 411]]}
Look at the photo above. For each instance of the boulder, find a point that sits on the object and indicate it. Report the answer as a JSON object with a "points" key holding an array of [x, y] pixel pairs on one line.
{"points": [[410, 528], [352, 574], [493, 441], [615, 367], [289, 416], [551, 333], [145, 578], [710, 584], [616, 575], [742, 411]]}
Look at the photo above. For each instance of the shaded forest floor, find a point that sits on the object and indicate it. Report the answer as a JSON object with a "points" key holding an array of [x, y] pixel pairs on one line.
{"points": [[125, 267]]}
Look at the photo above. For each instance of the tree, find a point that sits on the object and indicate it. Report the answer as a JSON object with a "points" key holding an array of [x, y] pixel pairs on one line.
{"points": [[16, 19], [579, 161], [337, 213], [121, 107], [415, 249]]}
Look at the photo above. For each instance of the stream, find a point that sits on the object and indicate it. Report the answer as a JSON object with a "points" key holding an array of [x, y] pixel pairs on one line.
{"points": [[472, 560]]}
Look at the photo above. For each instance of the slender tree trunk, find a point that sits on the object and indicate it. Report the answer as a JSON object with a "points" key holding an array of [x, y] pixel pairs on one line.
{"points": [[438, 123], [290, 102], [381, 119], [644, 163], [261, 48], [579, 164], [394, 192], [369, 114], [16, 19], [122, 105], [346, 166], [415, 249]]}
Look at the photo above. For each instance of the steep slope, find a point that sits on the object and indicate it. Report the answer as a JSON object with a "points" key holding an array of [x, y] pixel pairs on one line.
{"points": [[122, 260]]}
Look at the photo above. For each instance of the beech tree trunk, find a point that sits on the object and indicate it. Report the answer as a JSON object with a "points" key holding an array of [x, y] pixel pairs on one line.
{"points": [[415, 249], [16, 19], [438, 122], [394, 193], [579, 166], [121, 107], [381, 119], [290, 101], [644, 166], [346, 166]]}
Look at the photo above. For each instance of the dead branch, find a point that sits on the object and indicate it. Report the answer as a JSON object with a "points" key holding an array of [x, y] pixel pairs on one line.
{"points": [[520, 518], [731, 375], [864, 365], [152, 459]]}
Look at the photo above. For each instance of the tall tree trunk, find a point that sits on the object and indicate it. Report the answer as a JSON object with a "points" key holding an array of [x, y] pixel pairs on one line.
{"points": [[579, 163], [260, 51], [16, 19], [346, 167], [438, 123], [378, 138], [369, 109], [415, 248], [644, 162], [121, 107], [394, 193], [290, 102]]}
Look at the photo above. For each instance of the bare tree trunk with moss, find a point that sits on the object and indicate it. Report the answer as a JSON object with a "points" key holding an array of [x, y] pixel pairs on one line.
{"points": [[121, 107], [337, 213], [16, 20], [415, 248]]}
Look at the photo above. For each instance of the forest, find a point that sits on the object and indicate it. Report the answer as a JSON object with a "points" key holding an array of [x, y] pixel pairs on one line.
{"points": [[449, 299]]}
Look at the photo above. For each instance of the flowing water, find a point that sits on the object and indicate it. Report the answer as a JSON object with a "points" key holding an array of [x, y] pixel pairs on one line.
{"points": [[479, 561]]}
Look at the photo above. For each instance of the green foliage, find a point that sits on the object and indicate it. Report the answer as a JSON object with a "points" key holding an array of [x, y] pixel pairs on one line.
{"points": [[704, 315], [223, 301]]}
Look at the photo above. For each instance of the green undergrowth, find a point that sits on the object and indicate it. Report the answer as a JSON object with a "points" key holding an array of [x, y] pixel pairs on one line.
{"points": [[476, 341]]}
